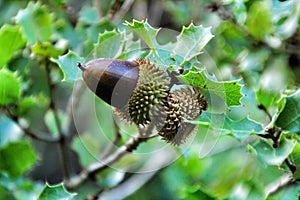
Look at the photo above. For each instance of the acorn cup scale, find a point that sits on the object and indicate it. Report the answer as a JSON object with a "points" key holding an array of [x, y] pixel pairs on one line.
{"points": [[140, 91]]}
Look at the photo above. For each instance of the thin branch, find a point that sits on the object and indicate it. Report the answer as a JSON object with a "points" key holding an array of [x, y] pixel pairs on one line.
{"points": [[121, 11], [30, 133], [290, 165], [97, 167], [117, 4], [136, 181], [62, 139], [263, 108]]}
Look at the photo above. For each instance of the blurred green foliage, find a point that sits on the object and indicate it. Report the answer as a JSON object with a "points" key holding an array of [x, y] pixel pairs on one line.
{"points": [[240, 53]]}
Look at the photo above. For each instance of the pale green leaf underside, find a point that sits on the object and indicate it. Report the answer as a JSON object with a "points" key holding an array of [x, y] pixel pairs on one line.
{"points": [[289, 118]]}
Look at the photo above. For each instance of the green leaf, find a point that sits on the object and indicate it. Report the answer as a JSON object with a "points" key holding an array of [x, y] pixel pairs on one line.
{"points": [[291, 191], [11, 40], [229, 91], [57, 192], [295, 159], [68, 64], [267, 97], [259, 12], [19, 187], [109, 44], [275, 156], [116, 44], [10, 87], [9, 131], [145, 31], [36, 22], [88, 15], [289, 118], [47, 49], [16, 158], [29, 103], [190, 42], [222, 124]]}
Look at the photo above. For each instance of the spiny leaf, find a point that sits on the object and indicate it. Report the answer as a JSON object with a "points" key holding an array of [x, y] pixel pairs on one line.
{"points": [[36, 23], [189, 44], [145, 31], [68, 64], [117, 44], [16, 158], [289, 118], [191, 41], [222, 124], [109, 44], [46, 49], [11, 40], [275, 156], [10, 87], [55, 192], [229, 91]]}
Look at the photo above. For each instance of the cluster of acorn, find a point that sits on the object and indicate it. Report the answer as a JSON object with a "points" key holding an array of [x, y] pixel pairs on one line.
{"points": [[142, 93]]}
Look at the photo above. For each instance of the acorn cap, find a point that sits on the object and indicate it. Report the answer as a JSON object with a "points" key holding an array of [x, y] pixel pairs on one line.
{"points": [[186, 103], [151, 92]]}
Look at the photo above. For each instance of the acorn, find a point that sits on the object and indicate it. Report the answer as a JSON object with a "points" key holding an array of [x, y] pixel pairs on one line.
{"points": [[133, 87], [140, 92]]}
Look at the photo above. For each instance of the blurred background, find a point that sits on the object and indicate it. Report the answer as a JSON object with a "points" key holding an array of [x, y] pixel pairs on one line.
{"points": [[257, 41]]}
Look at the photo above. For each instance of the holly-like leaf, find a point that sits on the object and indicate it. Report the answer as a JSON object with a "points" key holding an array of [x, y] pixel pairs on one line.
{"points": [[289, 118], [229, 91], [275, 156], [10, 87], [16, 158], [190, 42], [259, 12], [11, 40], [68, 64], [116, 44], [222, 124], [109, 44], [36, 22], [46, 49], [187, 46], [145, 31], [55, 192]]}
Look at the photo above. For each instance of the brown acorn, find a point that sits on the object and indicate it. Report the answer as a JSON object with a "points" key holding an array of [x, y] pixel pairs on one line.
{"points": [[140, 90], [134, 87], [111, 80]]}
